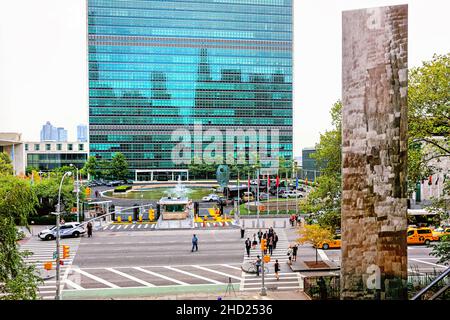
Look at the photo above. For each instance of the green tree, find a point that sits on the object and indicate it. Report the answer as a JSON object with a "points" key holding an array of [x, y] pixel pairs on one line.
{"points": [[17, 200], [6, 166], [442, 250], [119, 166], [324, 201], [92, 167], [428, 117]]}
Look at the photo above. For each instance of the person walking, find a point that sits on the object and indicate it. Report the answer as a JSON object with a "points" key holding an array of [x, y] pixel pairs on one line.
{"points": [[294, 252], [258, 265], [242, 232], [254, 243], [89, 229], [248, 245], [270, 245], [260, 234], [277, 269], [275, 240], [289, 254], [194, 243]]}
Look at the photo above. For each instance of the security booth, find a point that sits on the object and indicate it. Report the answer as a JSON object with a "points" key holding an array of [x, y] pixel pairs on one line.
{"points": [[94, 209], [174, 208]]}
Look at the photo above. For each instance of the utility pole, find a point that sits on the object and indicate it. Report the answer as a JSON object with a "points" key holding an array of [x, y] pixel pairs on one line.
{"points": [[77, 190], [263, 248], [58, 236], [257, 200]]}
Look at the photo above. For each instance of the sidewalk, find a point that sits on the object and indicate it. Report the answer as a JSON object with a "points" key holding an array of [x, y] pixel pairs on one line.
{"points": [[271, 295]]}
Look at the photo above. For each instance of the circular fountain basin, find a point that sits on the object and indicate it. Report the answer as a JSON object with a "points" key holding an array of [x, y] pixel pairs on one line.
{"points": [[156, 193]]}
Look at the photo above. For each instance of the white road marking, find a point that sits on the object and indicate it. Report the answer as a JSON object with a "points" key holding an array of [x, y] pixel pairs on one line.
{"points": [[118, 227], [433, 264], [131, 277], [218, 272], [132, 227], [112, 227], [323, 255], [232, 267], [153, 226], [139, 226], [161, 276], [146, 226], [109, 284], [126, 226], [194, 275], [73, 285]]}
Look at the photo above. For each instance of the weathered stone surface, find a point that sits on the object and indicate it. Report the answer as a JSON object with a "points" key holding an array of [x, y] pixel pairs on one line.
{"points": [[374, 154]]}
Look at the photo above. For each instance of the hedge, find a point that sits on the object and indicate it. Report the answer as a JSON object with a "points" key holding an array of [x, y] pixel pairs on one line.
{"points": [[50, 219], [122, 188]]}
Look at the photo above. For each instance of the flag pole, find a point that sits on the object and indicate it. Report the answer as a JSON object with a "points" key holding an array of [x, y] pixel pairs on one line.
{"points": [[278, 183], [268, 193]]}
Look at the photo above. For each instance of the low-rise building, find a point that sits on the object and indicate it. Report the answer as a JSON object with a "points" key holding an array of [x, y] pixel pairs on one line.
{"points": [[11, 143]]}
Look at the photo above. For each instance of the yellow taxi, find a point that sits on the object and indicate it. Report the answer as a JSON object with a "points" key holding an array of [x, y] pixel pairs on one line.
{"points": [[439, 232], [420, 236], [335, 243]]}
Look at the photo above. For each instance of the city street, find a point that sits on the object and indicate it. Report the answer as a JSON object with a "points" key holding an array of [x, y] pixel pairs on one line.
{"points": [[146, 263]]}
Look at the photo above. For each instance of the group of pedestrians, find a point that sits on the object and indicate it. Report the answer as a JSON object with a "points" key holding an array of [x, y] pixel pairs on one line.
{"points": [[292, 253], [295, 220], [271, 237]]}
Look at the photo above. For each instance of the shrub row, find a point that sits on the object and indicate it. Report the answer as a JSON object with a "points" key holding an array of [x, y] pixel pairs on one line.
{"points": [[50, 219], [122, 188]]}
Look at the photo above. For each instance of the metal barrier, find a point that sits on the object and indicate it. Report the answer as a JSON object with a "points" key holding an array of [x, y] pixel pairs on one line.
{"points": [[433, 283]]}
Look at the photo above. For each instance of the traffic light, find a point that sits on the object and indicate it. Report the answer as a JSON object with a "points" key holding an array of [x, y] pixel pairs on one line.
{"points": [[151, 214], [66, 252], [430, 180], [264, 244]]}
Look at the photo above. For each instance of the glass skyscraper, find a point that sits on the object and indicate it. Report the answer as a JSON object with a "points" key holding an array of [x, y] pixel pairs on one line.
{"points": [[158, 65]]}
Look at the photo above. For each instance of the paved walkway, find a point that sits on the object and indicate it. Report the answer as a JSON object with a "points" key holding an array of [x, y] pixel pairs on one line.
{"points": [[289, 280]]}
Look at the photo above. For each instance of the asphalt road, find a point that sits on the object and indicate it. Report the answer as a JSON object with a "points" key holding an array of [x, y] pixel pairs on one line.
{"points": [[108, 249]]}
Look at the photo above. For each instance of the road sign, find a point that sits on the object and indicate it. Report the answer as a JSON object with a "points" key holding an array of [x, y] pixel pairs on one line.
{"points": [[54, 255]]}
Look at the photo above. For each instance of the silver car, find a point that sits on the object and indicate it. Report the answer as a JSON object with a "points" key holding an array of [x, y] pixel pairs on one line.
{"points": [[69, 229]]}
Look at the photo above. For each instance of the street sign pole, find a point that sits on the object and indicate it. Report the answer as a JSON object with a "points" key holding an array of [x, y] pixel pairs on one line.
{"points": [[263, 288], [58, 266]]}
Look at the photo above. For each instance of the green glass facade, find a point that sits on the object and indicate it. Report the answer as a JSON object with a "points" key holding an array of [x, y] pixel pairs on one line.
{"points": [[50, 161], [157, 66]]}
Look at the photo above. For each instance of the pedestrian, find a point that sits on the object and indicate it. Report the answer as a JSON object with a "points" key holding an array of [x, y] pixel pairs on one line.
{"points": [[275, 240], [265, 236], [289, 254], [270, 232], [299, 220], [257, 265], [248, 245], [89, 229], [277, 269], [260, 234], [254, 243], [294, 252], [242, 232], [270, 245], [194, 243]]}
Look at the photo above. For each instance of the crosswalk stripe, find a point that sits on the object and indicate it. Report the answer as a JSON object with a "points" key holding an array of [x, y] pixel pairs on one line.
{"points": [[193, 275], [146, 226], [131, 277], [109, 284], [232, 267], [125, 227], [106, 227], [218, 272], [73, 285], [132, 227], [139, 226], [160, 275], [113, 227]]}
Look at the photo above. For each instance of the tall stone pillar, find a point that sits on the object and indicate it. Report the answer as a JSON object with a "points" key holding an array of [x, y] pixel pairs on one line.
{"points": [[374, 153]]}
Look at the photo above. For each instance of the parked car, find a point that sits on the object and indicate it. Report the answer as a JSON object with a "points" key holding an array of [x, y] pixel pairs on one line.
{"points": [[114, 183], [288, 194], [70, 229], [211, 197], [263, 196]]}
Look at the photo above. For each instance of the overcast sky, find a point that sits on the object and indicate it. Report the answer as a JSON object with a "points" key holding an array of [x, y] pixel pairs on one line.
{"points": [[43, 60]]}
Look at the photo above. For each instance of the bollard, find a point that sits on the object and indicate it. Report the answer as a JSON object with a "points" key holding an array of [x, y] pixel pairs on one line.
{"points": [[129, 219], [274, 223], [253, 224], [264, 224], [284, 225], [119, 219], [243, 224]]}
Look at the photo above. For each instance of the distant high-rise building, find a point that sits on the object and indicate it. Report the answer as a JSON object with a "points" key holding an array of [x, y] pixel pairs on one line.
{"points": [[82, 133], [49, 132], [62, 135], [52, 133]]}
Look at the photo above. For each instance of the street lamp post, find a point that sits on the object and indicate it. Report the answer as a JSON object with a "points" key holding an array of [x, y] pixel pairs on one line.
{"points": [[78, 194], [58, 217]]}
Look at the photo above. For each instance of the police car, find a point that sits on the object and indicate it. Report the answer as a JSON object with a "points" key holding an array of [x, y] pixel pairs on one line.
{"points": [[69, 229]]}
